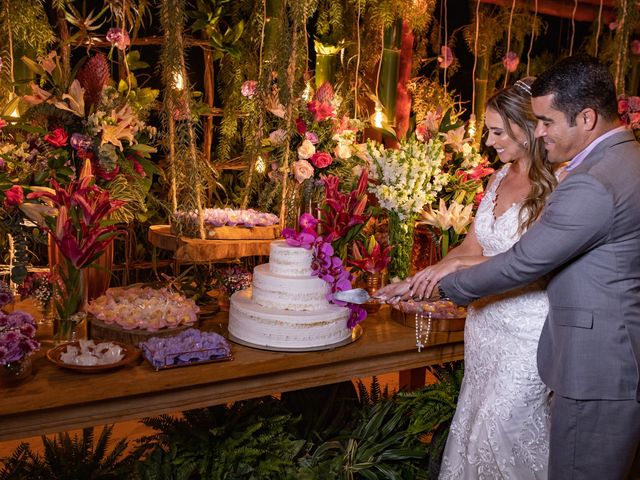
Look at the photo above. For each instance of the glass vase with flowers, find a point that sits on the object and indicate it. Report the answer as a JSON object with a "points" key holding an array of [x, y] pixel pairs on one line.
{"points": [[404, 180], [81, 229], [467, 170]]}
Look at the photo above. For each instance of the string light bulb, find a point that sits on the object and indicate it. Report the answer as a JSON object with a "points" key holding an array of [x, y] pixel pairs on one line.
{"points": [[178, 80], [307, 94], [471, 128], [378, 118], [261, 165]]}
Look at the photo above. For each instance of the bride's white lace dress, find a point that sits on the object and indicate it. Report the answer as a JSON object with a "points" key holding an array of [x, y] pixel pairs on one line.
{"points": [[501, 425]]}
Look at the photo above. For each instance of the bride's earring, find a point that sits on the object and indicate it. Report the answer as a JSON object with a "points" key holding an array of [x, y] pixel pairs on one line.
{"points": [[525, 144]]}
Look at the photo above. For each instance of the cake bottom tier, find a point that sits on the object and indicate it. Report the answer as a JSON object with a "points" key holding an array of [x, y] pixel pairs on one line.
{"points": [[269, 327]]}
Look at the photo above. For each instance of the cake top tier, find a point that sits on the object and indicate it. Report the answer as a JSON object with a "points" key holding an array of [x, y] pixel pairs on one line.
{"points": [[289, 261]]}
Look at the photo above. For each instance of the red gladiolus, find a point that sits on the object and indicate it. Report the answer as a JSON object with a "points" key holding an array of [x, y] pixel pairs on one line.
{"points": [[14, 196], [57, 138]]}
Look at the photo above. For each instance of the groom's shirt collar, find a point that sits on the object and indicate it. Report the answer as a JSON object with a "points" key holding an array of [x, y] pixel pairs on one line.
{"points": [[579, 158]]}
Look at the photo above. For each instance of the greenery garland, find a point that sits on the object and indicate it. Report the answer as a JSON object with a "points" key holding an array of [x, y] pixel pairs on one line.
{"points": [[188, 173]]}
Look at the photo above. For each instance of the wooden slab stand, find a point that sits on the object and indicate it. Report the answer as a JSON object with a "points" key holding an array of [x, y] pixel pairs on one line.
{"points": [[196, 250]]}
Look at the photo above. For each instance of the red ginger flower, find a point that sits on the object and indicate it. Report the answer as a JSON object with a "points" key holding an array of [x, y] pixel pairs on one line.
{"points": [[83, 208]]}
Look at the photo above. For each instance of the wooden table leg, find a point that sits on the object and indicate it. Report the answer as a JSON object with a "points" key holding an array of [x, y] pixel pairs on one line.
{"points": [[413, 379]]}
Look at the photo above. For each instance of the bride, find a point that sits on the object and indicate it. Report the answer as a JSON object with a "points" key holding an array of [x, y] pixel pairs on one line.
{"points": [[501, 425]]}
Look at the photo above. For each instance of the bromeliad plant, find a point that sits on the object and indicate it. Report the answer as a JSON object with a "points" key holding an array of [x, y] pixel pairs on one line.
{"points": [[82, 231], [370, 257]]}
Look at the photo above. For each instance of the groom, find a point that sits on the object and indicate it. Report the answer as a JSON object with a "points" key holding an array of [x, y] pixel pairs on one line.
{"points": [[588, 241]]}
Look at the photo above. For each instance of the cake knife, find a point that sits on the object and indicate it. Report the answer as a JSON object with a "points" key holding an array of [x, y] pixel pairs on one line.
{"points": [[360, 296]]}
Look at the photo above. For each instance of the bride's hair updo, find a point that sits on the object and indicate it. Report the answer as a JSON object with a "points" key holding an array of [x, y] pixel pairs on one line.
{"points": [[513, 104]]}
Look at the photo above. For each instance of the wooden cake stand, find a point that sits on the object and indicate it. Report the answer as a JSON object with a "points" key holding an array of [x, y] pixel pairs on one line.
{"points": [[230, 242]]}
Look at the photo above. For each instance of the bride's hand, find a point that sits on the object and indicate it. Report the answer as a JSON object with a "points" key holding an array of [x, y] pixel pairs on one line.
{"points": [[393, 292], [424, 282]]}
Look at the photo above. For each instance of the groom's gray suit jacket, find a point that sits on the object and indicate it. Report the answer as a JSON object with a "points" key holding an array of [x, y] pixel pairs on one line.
{"points": [[588, 240]]}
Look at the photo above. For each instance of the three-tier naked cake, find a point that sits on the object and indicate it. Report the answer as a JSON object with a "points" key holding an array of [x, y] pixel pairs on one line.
{"points": [[287, 305]]}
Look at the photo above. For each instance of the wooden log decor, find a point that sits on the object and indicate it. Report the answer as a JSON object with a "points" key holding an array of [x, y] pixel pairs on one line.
{"points": [[196, 250]]}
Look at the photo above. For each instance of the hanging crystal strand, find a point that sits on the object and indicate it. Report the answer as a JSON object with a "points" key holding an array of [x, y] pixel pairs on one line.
{"points": [[422, 331]]}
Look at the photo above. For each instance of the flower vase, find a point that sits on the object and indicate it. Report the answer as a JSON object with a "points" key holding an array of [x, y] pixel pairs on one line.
{"points": [[425, 247], [401, 239], [373, 283], [98, 275], [71, 296], [16, 372]]}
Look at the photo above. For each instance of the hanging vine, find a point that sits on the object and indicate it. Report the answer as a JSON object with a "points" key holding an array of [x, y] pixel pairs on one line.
{"points": [[24, 30], [188, 174]]}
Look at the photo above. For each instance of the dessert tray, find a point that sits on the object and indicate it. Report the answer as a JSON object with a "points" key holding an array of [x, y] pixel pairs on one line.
{"points": [[356, 333], [445, 315], [57, 354], [191, 347]]}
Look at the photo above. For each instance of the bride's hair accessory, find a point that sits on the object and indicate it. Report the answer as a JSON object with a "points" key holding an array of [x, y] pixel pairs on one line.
{"points": [[525, 87]]}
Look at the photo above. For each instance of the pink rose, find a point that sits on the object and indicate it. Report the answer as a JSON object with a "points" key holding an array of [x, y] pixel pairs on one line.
{"points": [[635, 47], [321, 159], [302, 170], [312, 137], [248, 88], [14, 196], [623, 105], [3, 123], [446, 57], [511, 61], [57, 138], [634, 103]]}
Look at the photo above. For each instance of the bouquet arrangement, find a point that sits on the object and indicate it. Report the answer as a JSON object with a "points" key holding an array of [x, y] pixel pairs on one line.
{"points": [[17, 337], [324, 143], [234, 279], [629, 112], [63, 125], [466, 170], [6, 297], [404, 181], [38, 285], [81, 229], [407, 179], [342, 216]]}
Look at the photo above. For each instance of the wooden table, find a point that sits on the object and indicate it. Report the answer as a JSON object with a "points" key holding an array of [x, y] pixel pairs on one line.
{"points": [[58, 400]]}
